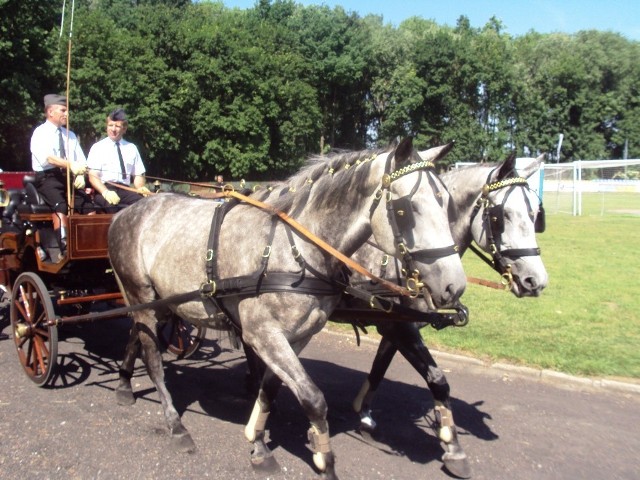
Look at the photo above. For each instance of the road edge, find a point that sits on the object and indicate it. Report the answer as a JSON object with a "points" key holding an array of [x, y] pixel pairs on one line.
{"points": [[564, 380]]}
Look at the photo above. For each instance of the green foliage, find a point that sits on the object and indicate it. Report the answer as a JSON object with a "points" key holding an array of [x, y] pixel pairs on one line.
{"points": [[27, 39], [250, 93]]}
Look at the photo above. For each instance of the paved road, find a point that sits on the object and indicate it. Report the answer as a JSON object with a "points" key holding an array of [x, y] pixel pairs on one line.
{"points": [[511, 428]]}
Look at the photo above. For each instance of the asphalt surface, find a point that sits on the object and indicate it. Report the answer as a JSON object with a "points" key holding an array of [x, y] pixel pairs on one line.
{"points": [[511, 426]]}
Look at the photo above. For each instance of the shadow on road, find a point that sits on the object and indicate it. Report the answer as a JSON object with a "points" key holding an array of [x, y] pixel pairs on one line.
{"points": [[212, 382]]}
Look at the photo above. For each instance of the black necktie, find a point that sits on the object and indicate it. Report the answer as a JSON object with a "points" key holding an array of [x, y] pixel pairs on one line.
{"points": [[63, 154], [122, 169]]}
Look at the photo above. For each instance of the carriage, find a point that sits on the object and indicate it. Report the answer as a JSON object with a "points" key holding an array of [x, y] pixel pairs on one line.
{"points": [[41, 293]]}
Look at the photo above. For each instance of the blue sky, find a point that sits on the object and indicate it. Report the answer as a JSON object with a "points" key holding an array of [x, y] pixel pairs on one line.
{"points": [[518, 16]]}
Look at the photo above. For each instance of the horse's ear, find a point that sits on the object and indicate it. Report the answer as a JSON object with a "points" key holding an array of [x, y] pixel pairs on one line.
{"points": [[532, 167], [404, 151], [508, 167], [436, 153], [444, 149]]}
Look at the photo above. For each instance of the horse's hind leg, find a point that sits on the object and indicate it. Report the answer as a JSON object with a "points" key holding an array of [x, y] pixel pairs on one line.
{"points": [[124, 391], [255, 370], [262, 458], [146, 325]]}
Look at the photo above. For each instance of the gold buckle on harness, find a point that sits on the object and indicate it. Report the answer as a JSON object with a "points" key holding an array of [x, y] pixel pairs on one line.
{"points": [[204, 294], [386, 180], [414, 285], [374, 303], [507, 278], [210, 255]]}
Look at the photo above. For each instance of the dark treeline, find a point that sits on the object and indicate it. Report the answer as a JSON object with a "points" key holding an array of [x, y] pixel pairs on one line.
{"points": [[250, 93]]}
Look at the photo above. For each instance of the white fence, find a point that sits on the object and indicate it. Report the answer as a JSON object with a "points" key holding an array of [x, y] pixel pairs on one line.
{"points": [[588, 187], [593, 187]]}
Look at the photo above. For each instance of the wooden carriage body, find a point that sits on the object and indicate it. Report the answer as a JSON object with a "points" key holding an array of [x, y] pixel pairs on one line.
{"points": [[41, 292]]}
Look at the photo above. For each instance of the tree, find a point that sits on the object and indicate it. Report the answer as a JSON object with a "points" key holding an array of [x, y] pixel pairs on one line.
{"points": [[27, 38]]}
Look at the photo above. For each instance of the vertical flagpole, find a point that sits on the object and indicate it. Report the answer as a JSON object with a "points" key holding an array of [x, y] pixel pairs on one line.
{"points": [[70, 192]]}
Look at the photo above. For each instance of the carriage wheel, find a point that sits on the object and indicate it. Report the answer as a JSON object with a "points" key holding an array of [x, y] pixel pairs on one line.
{"points": [[36, 340], [180, 337]]}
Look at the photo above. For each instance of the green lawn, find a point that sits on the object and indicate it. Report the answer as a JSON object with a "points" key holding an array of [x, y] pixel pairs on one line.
{"points": [[587, 320], [607, 203]]}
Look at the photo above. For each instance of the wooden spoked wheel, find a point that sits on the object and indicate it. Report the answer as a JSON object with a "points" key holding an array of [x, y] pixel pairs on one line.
{"points": [[180, 337], [35, 338]]}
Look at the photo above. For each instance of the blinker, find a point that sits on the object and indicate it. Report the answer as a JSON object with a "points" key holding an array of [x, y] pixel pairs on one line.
{"points": [[404, 215], [540, 224], [496, 216]]}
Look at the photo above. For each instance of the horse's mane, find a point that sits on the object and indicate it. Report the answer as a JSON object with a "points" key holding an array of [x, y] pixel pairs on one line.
{"points": [[471, 171], [350, 173], [468, 180]]}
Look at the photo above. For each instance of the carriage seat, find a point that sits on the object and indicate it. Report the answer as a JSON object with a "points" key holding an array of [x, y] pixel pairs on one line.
{"points": [[34, 201], [17, 197]]}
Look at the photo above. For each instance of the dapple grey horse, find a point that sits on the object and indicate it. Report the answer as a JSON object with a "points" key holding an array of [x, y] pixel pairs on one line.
{"points": [[496, 209], [166, 260]]}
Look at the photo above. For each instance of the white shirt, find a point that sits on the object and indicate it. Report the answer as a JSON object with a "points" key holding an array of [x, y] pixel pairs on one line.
{"points": [[103, 160], [45, 143]]}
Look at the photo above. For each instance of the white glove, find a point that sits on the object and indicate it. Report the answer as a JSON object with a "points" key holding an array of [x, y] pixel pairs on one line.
{"points": [[78, 168], [111, 197], [144, 191], [79, 182]]}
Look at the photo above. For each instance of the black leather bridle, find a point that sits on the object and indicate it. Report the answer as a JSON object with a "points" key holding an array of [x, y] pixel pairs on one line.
{"points": [[493, 220], [401, 219]]}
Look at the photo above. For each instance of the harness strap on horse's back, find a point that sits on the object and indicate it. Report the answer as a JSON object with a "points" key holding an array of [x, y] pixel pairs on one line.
{"points": [[259, 281], [319, 242]]}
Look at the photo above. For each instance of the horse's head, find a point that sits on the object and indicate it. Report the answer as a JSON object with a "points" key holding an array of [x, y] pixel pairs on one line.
{"points": [[414, 202], [508, 216]]}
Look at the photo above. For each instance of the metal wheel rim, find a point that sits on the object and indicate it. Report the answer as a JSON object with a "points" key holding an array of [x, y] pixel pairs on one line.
{"points": [[181, 338], [36, 342]]}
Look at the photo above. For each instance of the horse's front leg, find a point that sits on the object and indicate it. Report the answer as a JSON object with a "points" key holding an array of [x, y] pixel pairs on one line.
{"points": [[407, 339], [124, 391], [364, 400], [180, 437], [279, 355]]}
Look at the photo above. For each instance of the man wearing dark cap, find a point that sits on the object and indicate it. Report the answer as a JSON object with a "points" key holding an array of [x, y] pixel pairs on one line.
{"points": [[54, 149], [113, 162]]}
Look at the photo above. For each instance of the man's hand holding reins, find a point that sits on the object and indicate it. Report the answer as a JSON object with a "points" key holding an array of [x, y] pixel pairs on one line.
{"points": [[78, 168], [111, 197], [79, 182]]}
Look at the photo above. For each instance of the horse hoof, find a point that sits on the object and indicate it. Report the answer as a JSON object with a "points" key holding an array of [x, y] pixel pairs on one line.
{"points": [[368, 424], [457, 465], [329, 476], [267, 464], [125, 397], [183, 443]]}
